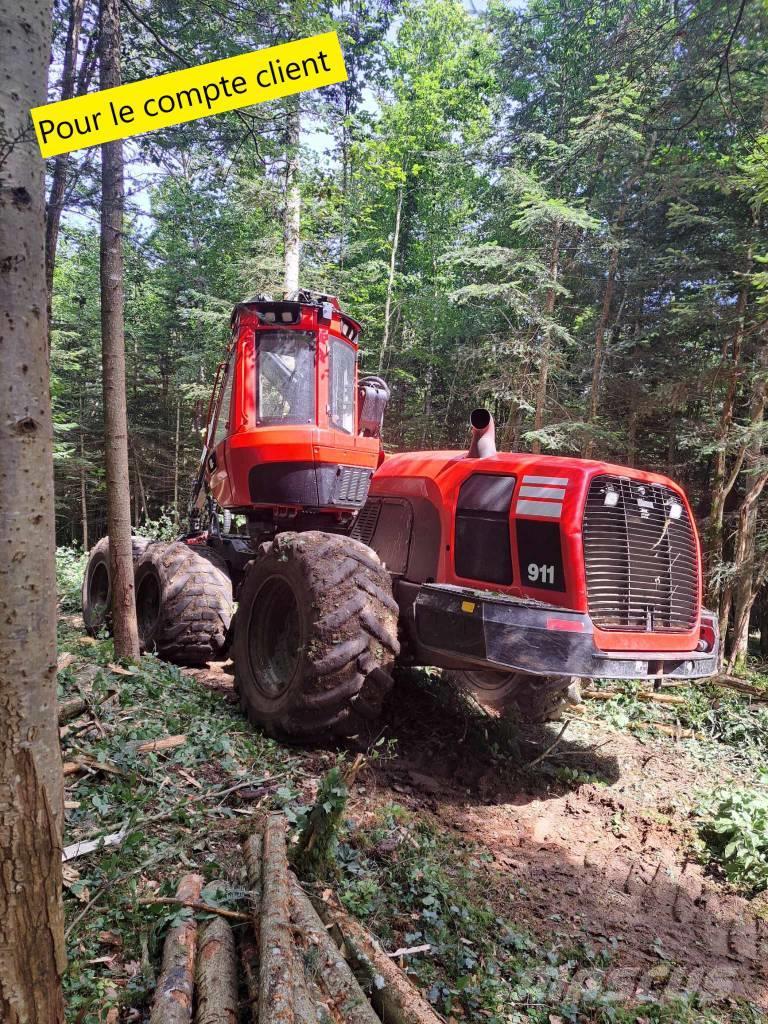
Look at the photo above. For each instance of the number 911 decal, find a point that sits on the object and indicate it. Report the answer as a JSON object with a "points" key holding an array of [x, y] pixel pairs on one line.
{"points": [[540, 555]]}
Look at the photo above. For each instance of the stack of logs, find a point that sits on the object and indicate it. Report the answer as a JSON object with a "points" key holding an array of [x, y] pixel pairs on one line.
{"points": [[304, 960]]}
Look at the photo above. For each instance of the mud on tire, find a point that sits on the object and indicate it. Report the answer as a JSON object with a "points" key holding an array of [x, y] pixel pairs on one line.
{"points": [[97, 584], [315, 637], [183, 603]]}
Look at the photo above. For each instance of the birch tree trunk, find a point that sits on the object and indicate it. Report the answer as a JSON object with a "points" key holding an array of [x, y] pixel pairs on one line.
{"points": [[113, 356], [292, 215], [31, 796]]}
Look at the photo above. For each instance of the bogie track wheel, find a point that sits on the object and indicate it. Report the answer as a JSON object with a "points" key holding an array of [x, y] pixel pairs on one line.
{"points": [[97, 584], [183, 603], [315, 637]]}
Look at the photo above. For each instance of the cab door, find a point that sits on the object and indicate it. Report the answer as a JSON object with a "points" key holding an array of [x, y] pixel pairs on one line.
{"points": [[219, 430]]}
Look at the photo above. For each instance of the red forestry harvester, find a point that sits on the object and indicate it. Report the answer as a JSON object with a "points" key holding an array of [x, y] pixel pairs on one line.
{"points": [[519, 572]]}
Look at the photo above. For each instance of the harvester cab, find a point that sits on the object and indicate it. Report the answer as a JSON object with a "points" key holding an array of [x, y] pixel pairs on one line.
{"points": [[293, 435]]}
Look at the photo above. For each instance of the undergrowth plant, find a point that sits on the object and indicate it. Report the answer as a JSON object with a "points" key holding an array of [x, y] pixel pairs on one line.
{"points": [[734, 828], [70, 565]]}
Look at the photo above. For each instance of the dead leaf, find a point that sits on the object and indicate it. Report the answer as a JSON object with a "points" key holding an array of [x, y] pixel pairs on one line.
{"points": [[111, 939], [86, 641], [64, 660], [69, 874]]}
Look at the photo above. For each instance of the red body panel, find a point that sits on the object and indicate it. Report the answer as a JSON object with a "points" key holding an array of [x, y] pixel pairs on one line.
{"points": [[438, 477]]}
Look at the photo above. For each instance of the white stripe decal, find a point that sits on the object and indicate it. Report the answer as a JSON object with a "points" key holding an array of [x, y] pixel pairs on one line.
{"points": [[548, 509], [555, 493], [558, 481]]}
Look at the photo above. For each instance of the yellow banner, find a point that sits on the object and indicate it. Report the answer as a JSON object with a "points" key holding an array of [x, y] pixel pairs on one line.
{"points": [[187, 95]]}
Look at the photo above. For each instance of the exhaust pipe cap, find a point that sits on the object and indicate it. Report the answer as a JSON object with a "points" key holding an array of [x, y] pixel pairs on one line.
{"points": [[483, 443]]}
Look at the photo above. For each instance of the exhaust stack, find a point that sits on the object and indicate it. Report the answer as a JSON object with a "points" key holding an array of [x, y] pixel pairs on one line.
{"points": [[483, 442]]}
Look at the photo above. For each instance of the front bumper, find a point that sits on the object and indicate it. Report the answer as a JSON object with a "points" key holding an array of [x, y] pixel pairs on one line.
{"points": [[455, 626]]}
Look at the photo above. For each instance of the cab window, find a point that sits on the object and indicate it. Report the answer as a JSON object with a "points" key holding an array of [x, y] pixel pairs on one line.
{"points": [[285, 371], [225, 406], [341, 411]]}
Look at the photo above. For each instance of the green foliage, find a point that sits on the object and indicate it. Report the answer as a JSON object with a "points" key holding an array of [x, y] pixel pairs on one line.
{"points": [[314, 855], [70, 565], [164, 527], [734, 827]]}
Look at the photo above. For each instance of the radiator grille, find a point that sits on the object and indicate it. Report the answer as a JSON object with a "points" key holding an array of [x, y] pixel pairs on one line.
{"points": [[640, 562], [351, 487], [365, 524]]}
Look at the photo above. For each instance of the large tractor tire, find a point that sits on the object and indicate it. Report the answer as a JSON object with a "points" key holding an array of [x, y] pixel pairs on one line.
{"points": [[97, 584], [315, 637], [183, 603], [529, 699]]}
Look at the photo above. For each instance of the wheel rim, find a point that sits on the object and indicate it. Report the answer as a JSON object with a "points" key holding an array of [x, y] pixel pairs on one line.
{"points": [[274, 637], [488, 684], [99, 589], [148, 601]]}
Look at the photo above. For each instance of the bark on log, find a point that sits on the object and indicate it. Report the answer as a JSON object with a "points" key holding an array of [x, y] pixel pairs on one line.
{"points": [[173, 997], [70, 709], [217, 1001], [277, 969], [249, 960], [166, 743], [348, 1001], [394, 997], [731, 683]]}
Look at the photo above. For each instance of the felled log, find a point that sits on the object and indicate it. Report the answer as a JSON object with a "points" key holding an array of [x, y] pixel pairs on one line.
{"points": [[249, 937], [249, 961], [394, 997], [278, 969], [70, 709], [173, 996], [647, 695], [165, 743], [336, 977], [217, 1001], [732, 683]]}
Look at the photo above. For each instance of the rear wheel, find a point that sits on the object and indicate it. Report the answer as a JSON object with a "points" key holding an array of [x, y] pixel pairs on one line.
{"points": [[529, 698], [315, 637], [183, 603], [97, 584]]}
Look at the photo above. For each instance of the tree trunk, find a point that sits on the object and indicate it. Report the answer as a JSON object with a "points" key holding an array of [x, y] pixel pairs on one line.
{"points": [[750, 576], [59, 177], [292, 215], [83, 488], [391, 279], [176, 462], [546, 343], [113, 356], [722, 484], [602, 325], [32, 955]]}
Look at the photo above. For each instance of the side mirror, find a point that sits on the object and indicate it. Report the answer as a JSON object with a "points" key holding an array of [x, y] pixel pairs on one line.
{"points": [[372, 396]]}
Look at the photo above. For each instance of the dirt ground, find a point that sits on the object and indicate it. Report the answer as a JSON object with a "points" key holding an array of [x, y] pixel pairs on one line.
{"points": [[592, 846]]}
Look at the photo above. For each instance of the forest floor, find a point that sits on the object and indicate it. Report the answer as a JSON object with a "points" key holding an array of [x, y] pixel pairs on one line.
{"points": [[573, 887]]}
